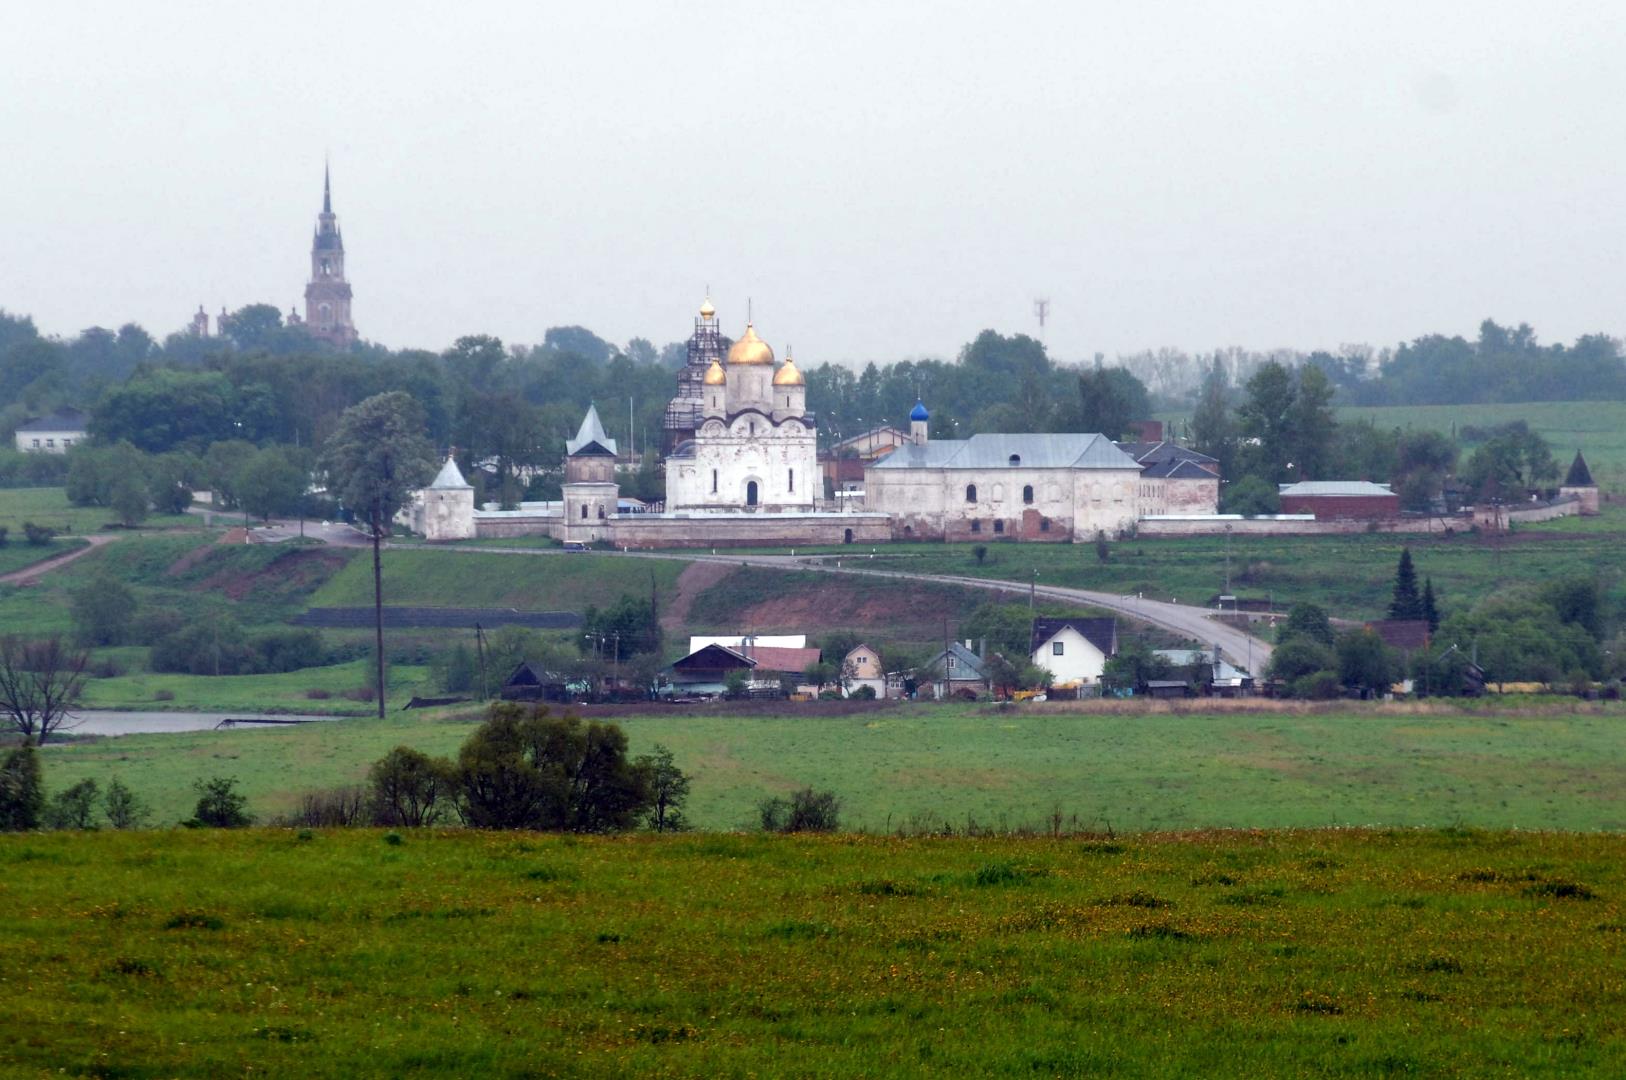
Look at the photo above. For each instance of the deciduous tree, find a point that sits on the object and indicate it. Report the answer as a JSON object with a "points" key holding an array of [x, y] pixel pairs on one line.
{"points": [[39, 683]]}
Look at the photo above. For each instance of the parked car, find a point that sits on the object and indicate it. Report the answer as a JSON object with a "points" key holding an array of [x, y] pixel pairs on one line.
{"points": [[575, 545]]}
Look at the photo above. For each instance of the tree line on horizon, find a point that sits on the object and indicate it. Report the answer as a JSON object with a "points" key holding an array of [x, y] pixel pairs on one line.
{"points": [[508, 408]]}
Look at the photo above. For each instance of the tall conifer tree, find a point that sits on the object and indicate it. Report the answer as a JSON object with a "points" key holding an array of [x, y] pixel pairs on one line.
{"points": [[1407, 603]]}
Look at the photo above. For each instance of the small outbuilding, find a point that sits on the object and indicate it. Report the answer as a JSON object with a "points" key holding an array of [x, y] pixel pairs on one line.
{"points": [[529, 683], [1340, 500], [53, 434], [1579, 485]]}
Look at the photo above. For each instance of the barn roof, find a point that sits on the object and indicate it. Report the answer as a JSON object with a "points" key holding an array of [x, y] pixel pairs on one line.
{"points": [[61, 420], [1338, 488]]}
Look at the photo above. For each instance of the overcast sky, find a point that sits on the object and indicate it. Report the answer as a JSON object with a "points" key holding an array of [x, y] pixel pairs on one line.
{"points": [[884, 180]]}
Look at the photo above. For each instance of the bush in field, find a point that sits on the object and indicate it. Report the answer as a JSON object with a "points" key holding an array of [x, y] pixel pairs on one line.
{"points": [[863, 693], [805, 811], [213, 645], [124, 809], [525, 769], [74, 808], [287, 649], [130, 500], [668, 790], [335, 808], [1300, 657], [1317, 686], [38, 535], [410, 788], [102, 610], [220, 805], [22, 790], [1307, 621]]}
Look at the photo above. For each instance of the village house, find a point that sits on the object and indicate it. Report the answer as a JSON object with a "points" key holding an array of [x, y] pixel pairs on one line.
{"points": [[862, 667], [1074, 651], [53, 434]]}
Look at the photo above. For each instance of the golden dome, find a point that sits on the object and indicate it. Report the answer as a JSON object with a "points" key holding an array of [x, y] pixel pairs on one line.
{"points": [[715, 376], [706, 310], [788, 375], [750, 349]]}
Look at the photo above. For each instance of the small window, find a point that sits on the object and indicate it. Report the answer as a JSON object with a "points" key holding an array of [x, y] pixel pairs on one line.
{"points": [[971, 493], [714, 481], [36, 444], [1016, 459], [950, 663], [792, 474], [601, 513], [976, 526], [999, 526], [1044, 524], [584, 511], [1055, 648], [1027, 493]]}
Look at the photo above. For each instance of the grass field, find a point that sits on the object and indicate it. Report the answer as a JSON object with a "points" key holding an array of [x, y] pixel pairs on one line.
{"points": [[281, 692], [1351, 576], [342, 954], [467, 578], [18, 555], [50, 507], [924, 765], [1596, 428]]}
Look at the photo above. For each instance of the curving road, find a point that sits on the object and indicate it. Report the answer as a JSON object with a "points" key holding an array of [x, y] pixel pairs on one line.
{"points": [[1239, 647]]}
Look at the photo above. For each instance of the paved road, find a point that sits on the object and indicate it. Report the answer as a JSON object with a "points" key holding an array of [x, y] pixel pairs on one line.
{"points": [[1240, 648]]}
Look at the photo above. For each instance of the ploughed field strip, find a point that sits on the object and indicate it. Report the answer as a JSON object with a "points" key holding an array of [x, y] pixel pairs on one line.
{"points": [[350, 618], [1451, 953]]}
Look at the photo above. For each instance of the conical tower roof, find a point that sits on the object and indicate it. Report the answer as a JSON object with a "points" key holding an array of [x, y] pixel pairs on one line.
{"points": [[450, 476], [1579, 475], [591, 437]]}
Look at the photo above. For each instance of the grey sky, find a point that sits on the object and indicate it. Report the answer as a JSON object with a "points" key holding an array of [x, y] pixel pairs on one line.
{"points": [[884, 179]]}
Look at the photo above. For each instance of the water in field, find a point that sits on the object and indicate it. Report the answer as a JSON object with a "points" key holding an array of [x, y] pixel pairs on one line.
{"points": [[141, 723]]}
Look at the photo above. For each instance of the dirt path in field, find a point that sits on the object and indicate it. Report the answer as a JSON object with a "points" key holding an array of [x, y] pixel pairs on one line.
{"points": [[30, 575], [695, 579]]}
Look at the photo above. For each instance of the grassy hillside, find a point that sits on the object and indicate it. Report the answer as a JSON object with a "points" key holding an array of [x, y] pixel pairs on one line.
{"points": [[50, 507], [18, 554], [1441, 954], [1597, 428], [1141, 768], [1352, 576], [468, 578]]}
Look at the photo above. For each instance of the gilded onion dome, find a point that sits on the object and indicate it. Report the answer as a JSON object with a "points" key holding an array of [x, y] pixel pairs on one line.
{"points": [[706, 310], [788, 375], [715, 376], [750, 349]]}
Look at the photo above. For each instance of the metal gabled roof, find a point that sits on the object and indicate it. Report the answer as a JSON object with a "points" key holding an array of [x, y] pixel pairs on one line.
{"points": [[994, 451]]}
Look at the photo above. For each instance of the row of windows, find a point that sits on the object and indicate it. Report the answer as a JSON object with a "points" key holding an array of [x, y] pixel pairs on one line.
{"points": [[971, 493], [50, 444]]}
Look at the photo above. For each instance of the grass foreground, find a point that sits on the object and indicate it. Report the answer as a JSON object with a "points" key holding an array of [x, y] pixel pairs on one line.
{"points": [[340, 954], [1135, 766]]}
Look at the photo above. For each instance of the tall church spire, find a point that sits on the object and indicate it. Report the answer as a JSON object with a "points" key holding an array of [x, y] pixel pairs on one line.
{"points": [[327, 295]]}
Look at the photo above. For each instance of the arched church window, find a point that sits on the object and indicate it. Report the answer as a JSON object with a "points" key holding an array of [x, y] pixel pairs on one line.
{"points": [[1027, 493], [971, 493], [792, 475], [999, 526], [1015, 459], [601, 513], [751, 493], [584, 511], [714, 481]]}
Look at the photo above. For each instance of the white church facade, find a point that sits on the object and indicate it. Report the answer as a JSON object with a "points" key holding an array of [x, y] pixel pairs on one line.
{"points": [[742, 468]]}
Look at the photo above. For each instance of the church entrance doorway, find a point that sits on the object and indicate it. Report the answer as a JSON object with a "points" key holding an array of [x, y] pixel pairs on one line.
{"points": [[848, 538], [751, 493]]}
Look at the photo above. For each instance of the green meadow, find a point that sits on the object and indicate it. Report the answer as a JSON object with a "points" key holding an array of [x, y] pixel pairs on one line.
{"points": [[1597, 428], [1452, 953], [50, 507], [924, 766], [465, 577]]}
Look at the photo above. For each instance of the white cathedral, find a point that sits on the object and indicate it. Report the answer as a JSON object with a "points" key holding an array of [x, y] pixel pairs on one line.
{"points": [[742, 468], [755, 444]]}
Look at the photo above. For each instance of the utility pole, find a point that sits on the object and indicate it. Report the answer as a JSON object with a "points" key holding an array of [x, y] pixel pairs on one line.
{"points": [[1041, 308], [480, 647], [1033, 587]]}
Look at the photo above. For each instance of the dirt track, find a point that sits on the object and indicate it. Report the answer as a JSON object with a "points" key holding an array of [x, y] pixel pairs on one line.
{"points": [[29, 575]]}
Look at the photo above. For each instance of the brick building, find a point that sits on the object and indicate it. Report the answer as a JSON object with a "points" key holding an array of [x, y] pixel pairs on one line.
{"points": [[1341, 500]]}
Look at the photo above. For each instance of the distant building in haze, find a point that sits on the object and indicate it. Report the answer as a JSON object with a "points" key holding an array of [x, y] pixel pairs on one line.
{"points": [[327, 297]]}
